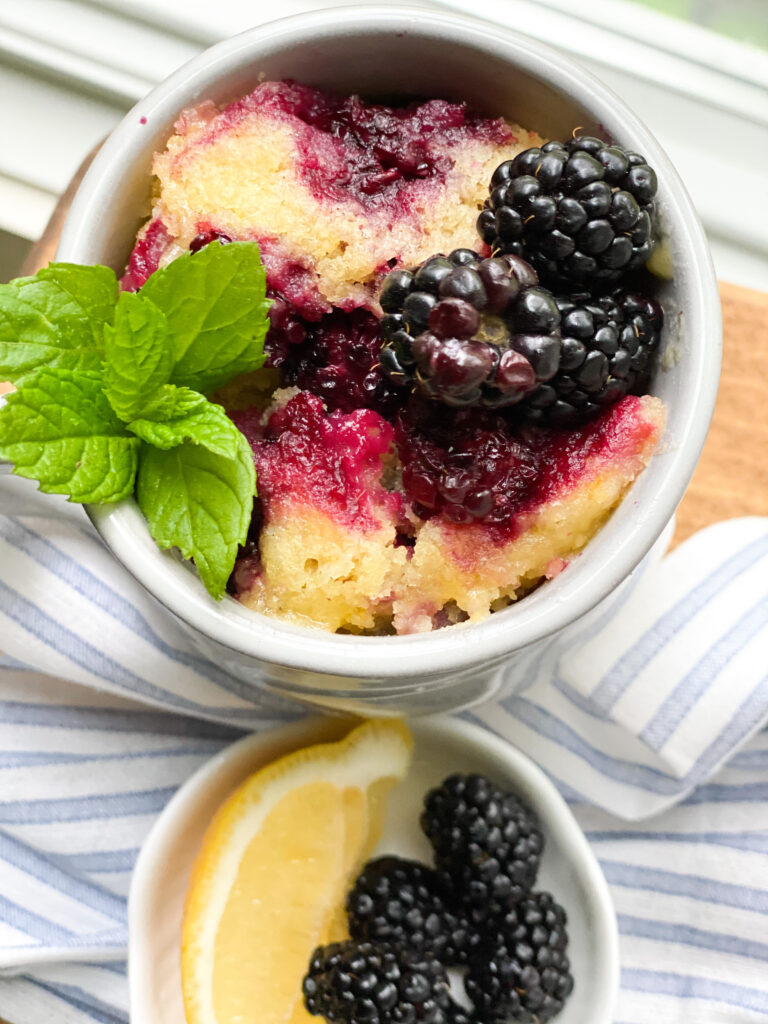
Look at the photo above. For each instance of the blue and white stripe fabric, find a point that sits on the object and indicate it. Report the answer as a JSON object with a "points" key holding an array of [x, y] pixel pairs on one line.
{"points": [[649, 715]]}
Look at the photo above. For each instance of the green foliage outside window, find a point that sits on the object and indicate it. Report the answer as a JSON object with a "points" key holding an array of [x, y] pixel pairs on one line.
{"points": [[745, 20]]}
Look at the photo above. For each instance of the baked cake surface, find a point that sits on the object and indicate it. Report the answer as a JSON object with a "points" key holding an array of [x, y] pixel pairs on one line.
{"points": [[333, 190], [340, 550], [380, 511]]}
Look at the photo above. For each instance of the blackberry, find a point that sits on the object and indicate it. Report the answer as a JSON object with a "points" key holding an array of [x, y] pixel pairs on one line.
{"points": [[206, 237], [463, 464], [522, 972], [286, 328], [364, 983], [608, 350], [467, 331], [336, 358], [578, 211], [487, 844], [402, 902]]}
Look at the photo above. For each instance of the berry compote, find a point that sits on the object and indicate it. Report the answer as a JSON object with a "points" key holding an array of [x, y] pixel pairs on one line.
{"points": [[336, 359], [332, 462], [477, 466], [367, 151]]}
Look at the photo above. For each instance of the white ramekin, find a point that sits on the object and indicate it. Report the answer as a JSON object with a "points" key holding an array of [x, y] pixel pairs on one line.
{"points": [[385, 51]]}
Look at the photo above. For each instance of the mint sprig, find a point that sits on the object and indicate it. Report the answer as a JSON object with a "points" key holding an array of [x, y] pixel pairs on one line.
{"points": [[204, 424], [199, 502], [111, 393]]}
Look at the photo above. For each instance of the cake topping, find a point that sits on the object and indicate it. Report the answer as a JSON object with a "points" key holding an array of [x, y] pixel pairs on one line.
{"points": [[608, 347], [330, 462], [469, 331], [337, 359], [579, 211], [468, 466], [331, 187]]}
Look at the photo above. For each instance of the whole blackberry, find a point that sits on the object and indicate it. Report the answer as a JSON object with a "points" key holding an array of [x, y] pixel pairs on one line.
{"points": [[521, 971], [608, 350], [487, 843], [579, 211], [364, 983], [402, 902], [467, 331]]}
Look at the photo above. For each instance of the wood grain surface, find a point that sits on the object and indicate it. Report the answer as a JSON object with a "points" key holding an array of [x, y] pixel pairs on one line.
{"points": [[732, 476]]}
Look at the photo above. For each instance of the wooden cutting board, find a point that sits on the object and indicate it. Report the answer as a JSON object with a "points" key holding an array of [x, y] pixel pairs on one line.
{"points": [[732, 475]]}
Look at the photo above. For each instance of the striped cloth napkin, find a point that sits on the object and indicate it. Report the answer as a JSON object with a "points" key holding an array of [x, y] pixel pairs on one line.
{"points": [[649, 715]]}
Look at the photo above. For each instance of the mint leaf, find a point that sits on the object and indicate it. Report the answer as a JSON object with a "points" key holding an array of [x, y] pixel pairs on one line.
{"points": [[55, 319], [59, 429], [207, 425], [216, 306], [92, 289], [138, 355], [199, 502], [170, 403]]}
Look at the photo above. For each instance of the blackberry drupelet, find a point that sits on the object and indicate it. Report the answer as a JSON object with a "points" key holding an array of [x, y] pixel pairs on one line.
{"points": [[487, 844], [466, 331], [402, 902], [522, 972], [364, 983], [608, 351], [580, 211]]}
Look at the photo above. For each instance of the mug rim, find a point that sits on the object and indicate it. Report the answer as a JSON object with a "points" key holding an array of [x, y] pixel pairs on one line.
{"points": [[315, 651]]}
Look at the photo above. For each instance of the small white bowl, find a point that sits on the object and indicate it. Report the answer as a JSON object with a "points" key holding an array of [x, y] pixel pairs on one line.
{"points": [[569, 869]]}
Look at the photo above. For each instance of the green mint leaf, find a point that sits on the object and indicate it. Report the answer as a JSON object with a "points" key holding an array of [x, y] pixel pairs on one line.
{"points": [[171, 403], [55, 319], [138, 355], [199, 502], [216, 306], [59, 429], [206, 424], [93, 289]]}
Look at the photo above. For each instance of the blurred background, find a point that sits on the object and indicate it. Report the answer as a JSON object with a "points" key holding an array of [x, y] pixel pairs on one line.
{"points": [[696, 71], [746, 20]]}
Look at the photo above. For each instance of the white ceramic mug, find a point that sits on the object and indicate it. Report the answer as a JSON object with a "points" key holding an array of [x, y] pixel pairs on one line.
{"points": [[385, 51]]}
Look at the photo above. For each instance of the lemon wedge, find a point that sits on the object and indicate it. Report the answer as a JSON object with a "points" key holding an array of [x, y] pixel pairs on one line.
{"points": [[271, 877]]}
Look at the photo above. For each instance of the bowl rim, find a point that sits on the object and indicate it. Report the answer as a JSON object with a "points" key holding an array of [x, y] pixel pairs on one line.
{"points": [[273, 641], [528, 778]]}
